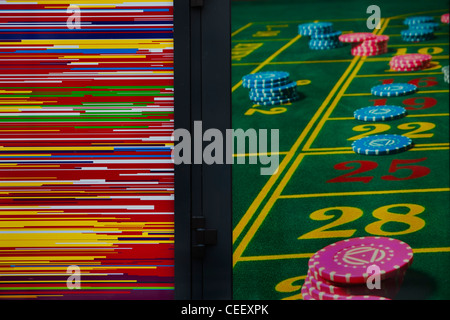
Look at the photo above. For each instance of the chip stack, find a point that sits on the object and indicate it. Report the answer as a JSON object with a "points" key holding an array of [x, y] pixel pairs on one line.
{"points": [[347, 270], [445, 71], [365, 43], [410, 62], [321, 35], [445, 18], [379, 113], [371, 47], [420, 28], [308, 29], [270, 87]]}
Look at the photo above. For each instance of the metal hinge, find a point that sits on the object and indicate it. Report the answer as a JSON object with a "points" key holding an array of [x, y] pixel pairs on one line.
{"points": [[202, 236], [196, 3]]}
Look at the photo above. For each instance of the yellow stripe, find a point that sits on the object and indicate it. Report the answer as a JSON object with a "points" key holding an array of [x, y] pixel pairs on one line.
{"points": [[408, 116], [265, 190], [290, 62], [417, 13], [332, 106], [361, 193], [416, 44], [309, 255], [240, 29], [417, 147], [312, 61], [369, 94], [395, 74], [269, 59], [257, 154]]}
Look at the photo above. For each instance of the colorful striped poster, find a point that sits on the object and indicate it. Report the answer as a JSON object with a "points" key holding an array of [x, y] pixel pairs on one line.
{"points": [[86, 177]]}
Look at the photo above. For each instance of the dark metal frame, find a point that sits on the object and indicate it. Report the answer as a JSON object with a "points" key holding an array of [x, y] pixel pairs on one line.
{"points": [[202, 93]]}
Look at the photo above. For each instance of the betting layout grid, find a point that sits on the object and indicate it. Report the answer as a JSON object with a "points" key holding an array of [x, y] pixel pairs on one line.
{"points": [[340, 270]]}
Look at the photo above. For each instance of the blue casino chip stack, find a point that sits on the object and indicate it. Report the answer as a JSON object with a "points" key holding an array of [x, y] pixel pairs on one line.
{"points": [[420, 28], [379, 113], [321, 35], [382, 144], [393, 90], [270, 88]]}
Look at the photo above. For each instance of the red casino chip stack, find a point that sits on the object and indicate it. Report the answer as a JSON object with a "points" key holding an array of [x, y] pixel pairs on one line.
{"points": [[371, 47], [410, 62], [341, 271], [445, 18], [366, 44]]}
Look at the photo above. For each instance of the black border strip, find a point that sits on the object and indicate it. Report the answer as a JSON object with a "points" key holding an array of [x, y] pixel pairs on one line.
{"points": [[202, 92]]}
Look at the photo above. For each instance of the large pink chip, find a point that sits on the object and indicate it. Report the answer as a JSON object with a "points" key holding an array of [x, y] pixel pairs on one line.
{"points": [[308, 290], [347, 261]]}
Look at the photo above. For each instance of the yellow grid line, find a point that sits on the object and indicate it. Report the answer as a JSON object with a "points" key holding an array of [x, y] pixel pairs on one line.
{"points": [[369, 94], [237, 64], [265, 190], [269, 59], [408, 116], [260, 218], [237, 255], [241, 29], [309, 255], [359, 193]]}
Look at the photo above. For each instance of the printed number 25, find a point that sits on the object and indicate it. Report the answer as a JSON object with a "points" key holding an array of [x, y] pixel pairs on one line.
{"points": [[361, 166]]}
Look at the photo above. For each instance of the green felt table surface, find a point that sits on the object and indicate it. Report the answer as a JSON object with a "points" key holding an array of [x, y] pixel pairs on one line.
{"points": [[323, 192]]}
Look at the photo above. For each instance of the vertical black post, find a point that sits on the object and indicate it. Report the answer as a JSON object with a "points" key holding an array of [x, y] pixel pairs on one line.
{"points": [[203, 93], [216, 113]]}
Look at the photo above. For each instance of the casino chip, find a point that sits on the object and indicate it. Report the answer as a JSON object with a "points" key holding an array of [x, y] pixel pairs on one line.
{"points": [[445, 18], [274, 88], [321, 295], [265, 77], [417, 20], [366, 44], [356, 37], [410, 62], [379, 113], [428, 25], [346, 262], [393, 90], [309, 29], [389, 288], [264, 84], [382, 144], [420, 28], [305, 293], [327, 36], [315, 44], [417, 35], [270, 88], [276, 101], [321, 35], [340, 270]]}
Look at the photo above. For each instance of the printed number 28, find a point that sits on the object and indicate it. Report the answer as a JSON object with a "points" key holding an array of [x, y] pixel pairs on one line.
{"points": [[350, 214]]}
